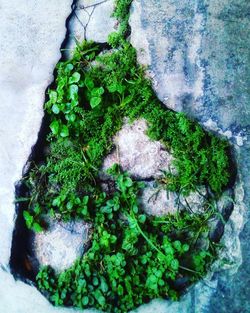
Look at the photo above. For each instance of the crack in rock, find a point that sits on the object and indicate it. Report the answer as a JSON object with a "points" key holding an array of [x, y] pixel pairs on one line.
{"points": [[89, 17], [82, 6], [91, 21]]}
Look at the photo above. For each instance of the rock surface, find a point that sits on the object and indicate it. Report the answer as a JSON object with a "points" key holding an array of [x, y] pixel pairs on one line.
{"points": [[197, 54], [91, 20], [156, 201], [61, 244], [137, 154]]}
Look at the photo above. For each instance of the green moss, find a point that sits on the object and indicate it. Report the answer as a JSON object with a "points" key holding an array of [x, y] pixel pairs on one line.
{"points": [[134, 258], [131, 259]]}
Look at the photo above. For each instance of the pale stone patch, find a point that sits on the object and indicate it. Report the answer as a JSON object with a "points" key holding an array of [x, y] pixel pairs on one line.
{"points": [[61, 244], [136, 153], [157, 201], [195, 201]]}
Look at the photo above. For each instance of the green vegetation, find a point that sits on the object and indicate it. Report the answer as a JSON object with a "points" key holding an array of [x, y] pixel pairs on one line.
{"points": [[133, 257]]}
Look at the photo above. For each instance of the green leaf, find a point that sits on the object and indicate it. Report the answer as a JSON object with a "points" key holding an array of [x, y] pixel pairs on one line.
{"points": [[99, 297], [135, 208], [37, 209], [95, 281], [28, 218], [85, 200], [55, 109], [95, 101], [142, 218], [54, 126], [112, 88], [85, 300], [175, 264], [37, 228], [72, 117], [53, 96], [69, 205], [97, 92], [74, 78], [56, 202], [185, 247], [177, 245], [69, 67], [64, 132], [120, 290], [84, 211], [128, 182], [73, 91], [104, 285], [89, 83]]}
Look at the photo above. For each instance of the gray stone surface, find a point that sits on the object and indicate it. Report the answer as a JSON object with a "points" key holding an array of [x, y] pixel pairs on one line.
{"points": [[92, 21], [61, 244], [197, 54]]}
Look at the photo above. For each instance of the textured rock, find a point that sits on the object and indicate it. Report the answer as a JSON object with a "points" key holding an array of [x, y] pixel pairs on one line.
{"points": [[155, 200], [192, 50], [92, 21], [197, 54], [137, 154], [61, 244], [195, 200]]}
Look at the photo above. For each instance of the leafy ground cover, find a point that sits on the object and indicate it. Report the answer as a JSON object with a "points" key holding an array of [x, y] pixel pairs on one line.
{"points": [[133, 257]]}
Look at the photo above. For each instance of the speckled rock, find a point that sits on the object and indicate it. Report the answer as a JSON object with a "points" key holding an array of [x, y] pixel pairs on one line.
{"points": [[195, 201], [61, 244], [158, 201], [137, 154]]}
